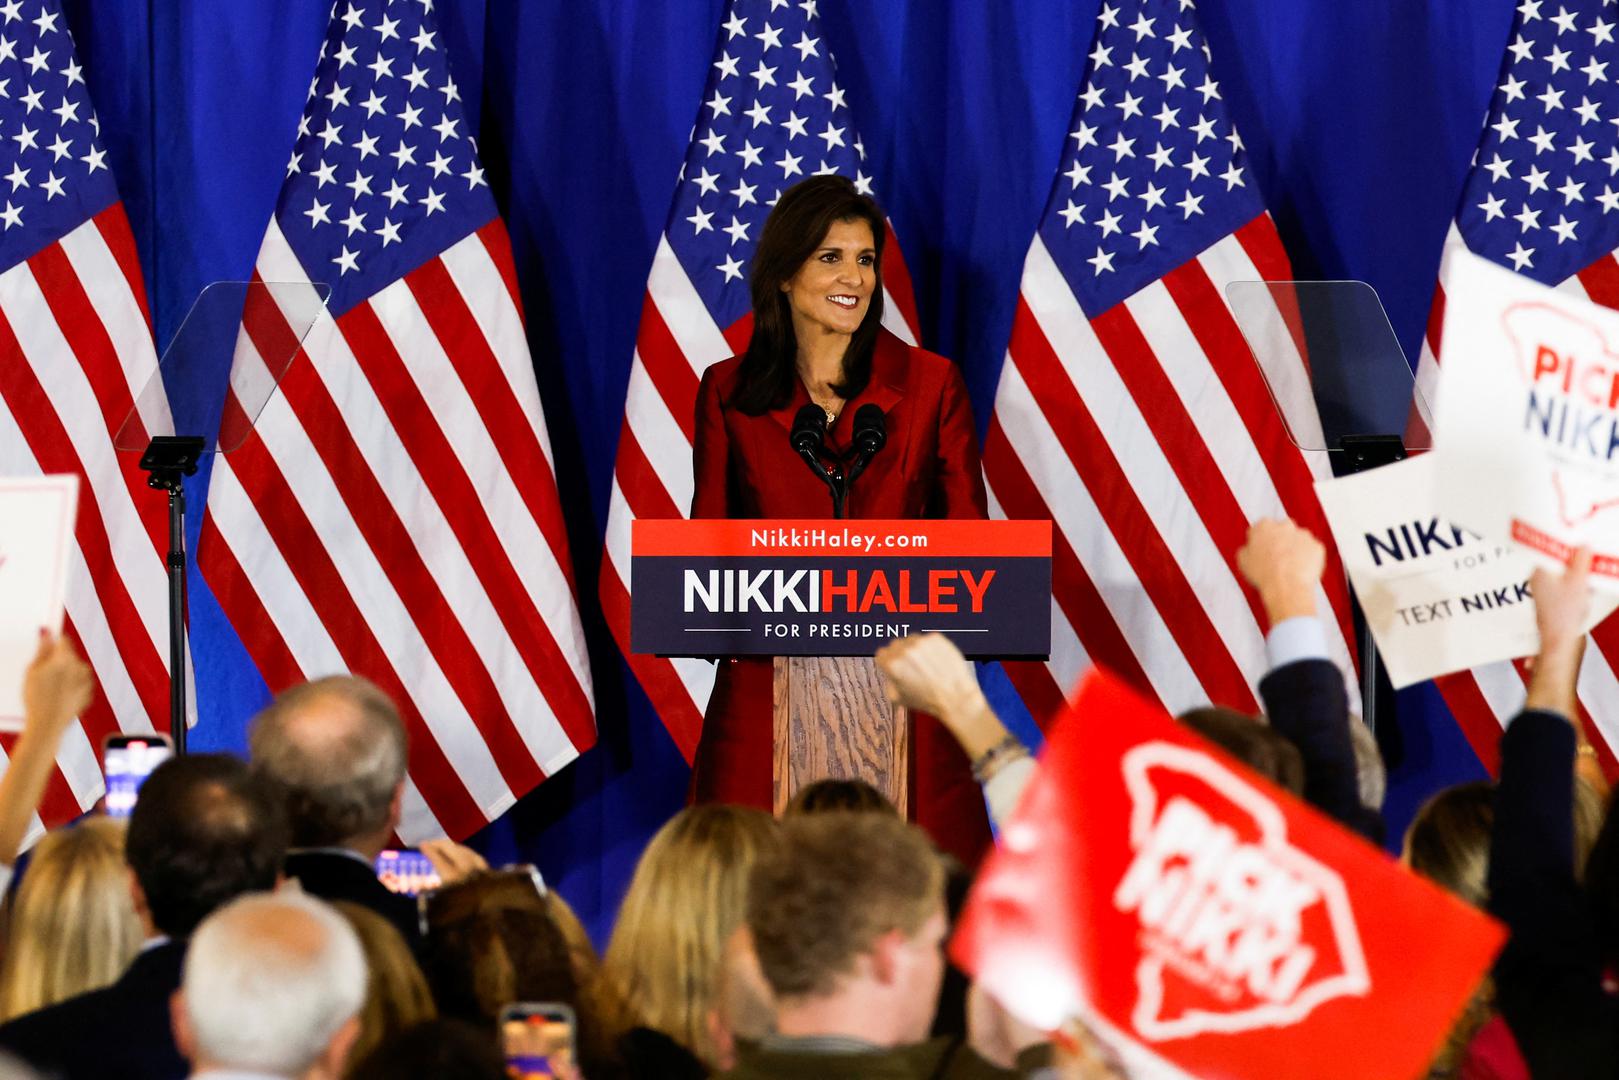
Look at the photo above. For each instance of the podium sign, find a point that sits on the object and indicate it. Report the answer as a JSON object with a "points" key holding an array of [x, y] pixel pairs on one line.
{"points": [[838, 588]]}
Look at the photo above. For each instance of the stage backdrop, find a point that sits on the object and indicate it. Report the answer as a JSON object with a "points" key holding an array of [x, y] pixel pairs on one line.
{"points": [[1360, 119]]}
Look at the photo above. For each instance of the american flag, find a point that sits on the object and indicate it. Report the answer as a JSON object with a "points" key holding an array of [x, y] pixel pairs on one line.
{"points": [[773, 113], [75, 351], [1129, 409], [396, 512], [1543, 199]]}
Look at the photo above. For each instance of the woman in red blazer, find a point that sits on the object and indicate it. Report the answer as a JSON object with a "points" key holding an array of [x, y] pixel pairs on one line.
{"points": [[817, 296]]}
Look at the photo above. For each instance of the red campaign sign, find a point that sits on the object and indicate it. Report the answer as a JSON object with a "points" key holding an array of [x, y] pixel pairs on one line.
{"points": [[1208, 920]]}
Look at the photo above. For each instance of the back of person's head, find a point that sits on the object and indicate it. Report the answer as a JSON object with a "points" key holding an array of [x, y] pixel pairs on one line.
{"points": [[836, 884], [204, 831], [73, 925], [491, 941], [1448, 841], [335, 748], [435, 1050], [1251, 741], [688, 894], [273, 984], [396, 996], [838, 793]]}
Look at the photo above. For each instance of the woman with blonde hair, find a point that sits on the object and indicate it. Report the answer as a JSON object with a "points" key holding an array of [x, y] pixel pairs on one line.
{"points": [[688, 896], [73, 926]]}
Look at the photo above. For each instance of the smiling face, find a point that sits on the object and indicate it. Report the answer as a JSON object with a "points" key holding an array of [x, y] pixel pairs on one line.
{"points": [[831, 292]]}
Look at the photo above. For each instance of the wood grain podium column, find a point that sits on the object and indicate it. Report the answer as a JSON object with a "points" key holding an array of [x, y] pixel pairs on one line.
{"points": [[832, 719]]}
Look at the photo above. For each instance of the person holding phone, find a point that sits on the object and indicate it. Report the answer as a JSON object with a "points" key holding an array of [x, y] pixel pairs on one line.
{"points": [[335, 748], [538, 1040]]}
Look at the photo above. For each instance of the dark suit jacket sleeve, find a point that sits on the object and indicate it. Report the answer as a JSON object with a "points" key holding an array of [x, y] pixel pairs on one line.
{"points": [[959, 483], [1307, 705], [1548, 979], [710, 453]]}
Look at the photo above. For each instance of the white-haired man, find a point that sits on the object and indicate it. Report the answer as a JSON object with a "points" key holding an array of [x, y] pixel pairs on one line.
{"points": [[273, 987]]}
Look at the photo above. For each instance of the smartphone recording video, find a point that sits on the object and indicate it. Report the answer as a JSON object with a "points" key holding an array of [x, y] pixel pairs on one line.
{"points": [[406, 871], [538, 1040], [127, 760]]}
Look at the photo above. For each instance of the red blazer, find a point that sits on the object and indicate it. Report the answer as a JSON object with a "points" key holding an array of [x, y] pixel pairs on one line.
{"points": [[744, 466]]}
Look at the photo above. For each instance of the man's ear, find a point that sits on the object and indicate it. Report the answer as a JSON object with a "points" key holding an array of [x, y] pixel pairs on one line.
{"points": [[723, 1039], [138, 895], [396, 807], [184, 1040], [888, 956], [334, 1062]]}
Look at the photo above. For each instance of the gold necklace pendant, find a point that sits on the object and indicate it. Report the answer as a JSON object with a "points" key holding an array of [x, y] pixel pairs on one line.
{"points": [[831, 415]]}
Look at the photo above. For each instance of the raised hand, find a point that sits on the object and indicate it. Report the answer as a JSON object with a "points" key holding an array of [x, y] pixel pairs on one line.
{"points": [[57, 686], [1562, 603], [927, 673], [1283, 562]]}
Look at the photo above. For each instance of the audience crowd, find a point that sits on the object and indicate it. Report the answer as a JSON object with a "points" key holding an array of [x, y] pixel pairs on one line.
{"points": [[236, 926]]}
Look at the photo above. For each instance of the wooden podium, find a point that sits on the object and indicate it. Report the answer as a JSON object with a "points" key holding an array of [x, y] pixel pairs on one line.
{"points": [[832, 719]]}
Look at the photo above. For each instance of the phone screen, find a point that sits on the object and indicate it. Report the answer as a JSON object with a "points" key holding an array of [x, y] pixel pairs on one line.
{"points": [[538, 1039], [128, 760], [406, 871]]}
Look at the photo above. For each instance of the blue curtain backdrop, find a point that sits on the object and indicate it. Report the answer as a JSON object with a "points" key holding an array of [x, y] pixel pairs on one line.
{"points": [[1361, 119]]}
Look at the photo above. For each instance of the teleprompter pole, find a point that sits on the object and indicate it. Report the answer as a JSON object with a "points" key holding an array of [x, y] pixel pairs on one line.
{"points": [[168, 460]]}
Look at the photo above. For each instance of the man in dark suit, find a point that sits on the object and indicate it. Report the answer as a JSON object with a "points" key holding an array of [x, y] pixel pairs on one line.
{"points": [[1304, 695], [204, 832], [335, 750]]}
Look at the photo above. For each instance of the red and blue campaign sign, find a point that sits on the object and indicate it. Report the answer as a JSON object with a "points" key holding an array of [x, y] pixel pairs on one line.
{"points": [[838, 588], [1203, 921]]}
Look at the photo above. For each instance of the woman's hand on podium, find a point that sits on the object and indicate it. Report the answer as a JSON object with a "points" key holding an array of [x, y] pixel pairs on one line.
{"points": [[927, 673]]}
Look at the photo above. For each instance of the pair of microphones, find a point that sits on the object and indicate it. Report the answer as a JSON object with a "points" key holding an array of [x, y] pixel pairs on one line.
{"points": [[808, 437]]}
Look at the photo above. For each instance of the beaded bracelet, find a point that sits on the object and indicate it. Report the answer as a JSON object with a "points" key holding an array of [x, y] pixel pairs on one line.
{"points": [[991, 761]]}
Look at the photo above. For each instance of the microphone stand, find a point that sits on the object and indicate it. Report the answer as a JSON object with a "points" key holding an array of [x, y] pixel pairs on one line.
{"points": [[808, 438]]}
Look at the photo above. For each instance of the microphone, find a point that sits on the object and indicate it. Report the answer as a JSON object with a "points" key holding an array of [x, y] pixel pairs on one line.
{"points": [[808, 438], [809, 430], [870, 435]]}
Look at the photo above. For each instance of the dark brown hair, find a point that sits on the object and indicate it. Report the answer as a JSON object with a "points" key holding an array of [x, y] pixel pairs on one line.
{"points": [[1251, 741], [839, 793], [837, 883], [792, 233]]}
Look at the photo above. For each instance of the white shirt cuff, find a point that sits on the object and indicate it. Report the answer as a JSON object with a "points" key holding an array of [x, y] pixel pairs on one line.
{"points": [[1003, 790], [1300, 638]]}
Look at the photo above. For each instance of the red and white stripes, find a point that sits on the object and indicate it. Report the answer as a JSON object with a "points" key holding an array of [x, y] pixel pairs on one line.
{"points": [[396, 515], [1148, 436], [75, 352]]}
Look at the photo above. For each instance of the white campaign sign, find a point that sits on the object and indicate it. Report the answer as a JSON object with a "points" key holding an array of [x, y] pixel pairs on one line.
{"points": [[36, 542], [1437, 597], [1526, 428]]}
